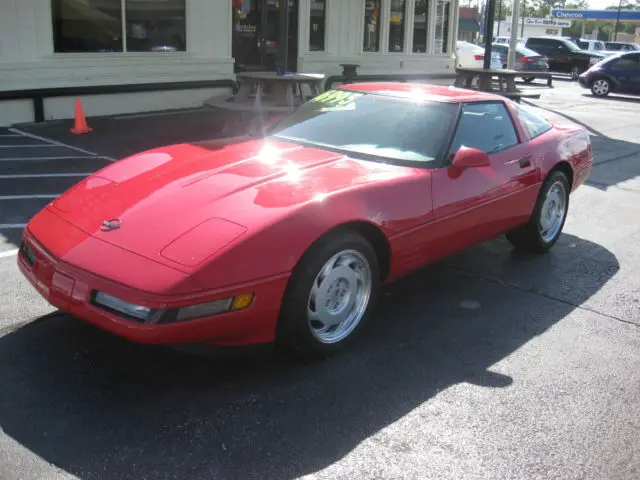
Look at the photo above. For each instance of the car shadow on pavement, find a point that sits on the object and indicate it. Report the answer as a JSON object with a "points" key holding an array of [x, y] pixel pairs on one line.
{"points": [[91, 403]]}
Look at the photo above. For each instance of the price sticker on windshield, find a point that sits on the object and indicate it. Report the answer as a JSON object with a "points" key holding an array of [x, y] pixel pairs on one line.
{"points": [[337, 98]]}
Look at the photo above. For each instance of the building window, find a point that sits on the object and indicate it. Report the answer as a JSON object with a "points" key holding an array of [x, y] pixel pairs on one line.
{"points": [[317, 28], [442, 26], [396, 25], [118, 26], [421, 26], [371, 26]]}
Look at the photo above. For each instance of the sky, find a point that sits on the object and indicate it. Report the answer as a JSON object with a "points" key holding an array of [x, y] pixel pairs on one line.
{"points": [[601, 4]]}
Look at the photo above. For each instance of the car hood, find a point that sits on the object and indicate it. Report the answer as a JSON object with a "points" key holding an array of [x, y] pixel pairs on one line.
{"points": [[226, 188]]}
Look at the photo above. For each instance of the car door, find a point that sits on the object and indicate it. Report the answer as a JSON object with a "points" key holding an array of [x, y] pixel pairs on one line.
{"points": [[625, 72], [475, 204], [562, 56]]}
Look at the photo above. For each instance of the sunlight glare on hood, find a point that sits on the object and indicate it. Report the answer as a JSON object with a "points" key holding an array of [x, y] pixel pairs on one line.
{"points": [[268, 154]]}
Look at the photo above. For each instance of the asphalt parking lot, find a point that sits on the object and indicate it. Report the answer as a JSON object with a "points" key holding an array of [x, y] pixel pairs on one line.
{"points": [[489, 364]]}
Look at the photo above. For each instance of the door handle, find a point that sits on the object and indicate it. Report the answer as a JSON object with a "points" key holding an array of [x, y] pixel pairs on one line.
{"points": [[524, 162]]}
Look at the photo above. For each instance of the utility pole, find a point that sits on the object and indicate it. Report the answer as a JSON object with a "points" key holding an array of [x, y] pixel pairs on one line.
{"points": [[488, 33], [499, 17], [615, 34], [513, 43]]}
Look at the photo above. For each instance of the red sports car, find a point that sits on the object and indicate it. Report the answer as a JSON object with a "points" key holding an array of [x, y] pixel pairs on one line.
{"points": [[287, 237]]}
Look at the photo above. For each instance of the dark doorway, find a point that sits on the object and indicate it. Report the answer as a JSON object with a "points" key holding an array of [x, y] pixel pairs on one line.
{"points": [[256, 31]]}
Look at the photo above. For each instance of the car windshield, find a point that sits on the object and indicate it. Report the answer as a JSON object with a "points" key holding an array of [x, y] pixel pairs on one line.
{"points": [[405, 130], [572, 46]]}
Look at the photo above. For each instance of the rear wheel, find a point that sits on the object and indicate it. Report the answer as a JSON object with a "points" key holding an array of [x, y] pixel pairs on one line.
{"points": [[528, 79], [544, 227], [600, 87], [330, 296]]}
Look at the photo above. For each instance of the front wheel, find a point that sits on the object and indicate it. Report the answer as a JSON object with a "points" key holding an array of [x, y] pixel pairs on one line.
{"points": [[544, 227], [601, 87], [528, 79], [330, 296]]}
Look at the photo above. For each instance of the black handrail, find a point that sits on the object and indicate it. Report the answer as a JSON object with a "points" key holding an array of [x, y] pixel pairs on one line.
{"points": [[37, 95]]}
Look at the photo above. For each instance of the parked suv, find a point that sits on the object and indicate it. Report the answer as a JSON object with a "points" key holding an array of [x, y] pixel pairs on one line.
{"points": [[564, 55]]}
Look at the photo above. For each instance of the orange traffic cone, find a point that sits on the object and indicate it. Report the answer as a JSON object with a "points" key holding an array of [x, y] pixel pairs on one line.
{"points": [[80, 124]]}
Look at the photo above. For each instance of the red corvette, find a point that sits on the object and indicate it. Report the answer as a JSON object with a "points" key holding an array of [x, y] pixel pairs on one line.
{"points": [[287, 237]]}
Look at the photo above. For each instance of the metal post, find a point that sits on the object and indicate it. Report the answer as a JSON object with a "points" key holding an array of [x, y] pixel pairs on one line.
{"points": [[524, 13], [513, 42], [488, 33], [499, 17], [615, 34], [283, 41]]}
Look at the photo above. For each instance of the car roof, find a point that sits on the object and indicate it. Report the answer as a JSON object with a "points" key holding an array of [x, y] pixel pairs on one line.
{"points": [[422, 91]]}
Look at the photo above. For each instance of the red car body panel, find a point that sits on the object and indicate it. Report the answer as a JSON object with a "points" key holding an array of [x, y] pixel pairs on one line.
{"points": [[201, 222]]}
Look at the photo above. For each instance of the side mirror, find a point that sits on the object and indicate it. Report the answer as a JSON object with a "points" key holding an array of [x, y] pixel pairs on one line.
{"points": [[467, 157]]}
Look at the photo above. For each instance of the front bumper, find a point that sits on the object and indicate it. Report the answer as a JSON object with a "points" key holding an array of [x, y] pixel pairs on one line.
{"points": [[71, 289]]}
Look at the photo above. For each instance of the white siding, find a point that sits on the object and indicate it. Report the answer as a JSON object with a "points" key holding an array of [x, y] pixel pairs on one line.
{"points": [[27, 60]]}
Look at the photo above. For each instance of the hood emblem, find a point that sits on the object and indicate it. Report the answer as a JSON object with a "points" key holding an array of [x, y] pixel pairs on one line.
{"points": [[109, 225]]}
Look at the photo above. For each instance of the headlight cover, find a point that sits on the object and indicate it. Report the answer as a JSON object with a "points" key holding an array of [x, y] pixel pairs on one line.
{"points": [[159, 316], [121, 306]]}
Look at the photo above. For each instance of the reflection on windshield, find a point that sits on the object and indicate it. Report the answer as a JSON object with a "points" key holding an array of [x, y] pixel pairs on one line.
{"points": [[405, 130]]}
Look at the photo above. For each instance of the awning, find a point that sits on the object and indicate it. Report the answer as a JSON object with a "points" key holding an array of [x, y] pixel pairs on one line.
{"points": [[468, 25]]}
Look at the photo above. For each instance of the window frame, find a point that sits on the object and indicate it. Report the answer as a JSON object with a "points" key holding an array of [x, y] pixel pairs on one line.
{"points": [[405, 27], [448, 157], [123, 31], [383, 15], [327, 10]]}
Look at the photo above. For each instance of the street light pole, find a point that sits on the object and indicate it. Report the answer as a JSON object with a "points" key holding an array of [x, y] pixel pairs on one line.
{"points": [[488, 33], [513, 43], [615, 31], [499, 17]]}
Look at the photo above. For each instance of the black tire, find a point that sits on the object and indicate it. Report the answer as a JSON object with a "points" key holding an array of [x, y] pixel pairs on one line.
{"points": [[528, 79], [600, 87], [528, 236], [294, 334]]}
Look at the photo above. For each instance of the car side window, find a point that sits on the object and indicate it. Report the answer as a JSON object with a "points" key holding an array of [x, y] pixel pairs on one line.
{"points": [[485, 126], [535, 125], [629, 62]]}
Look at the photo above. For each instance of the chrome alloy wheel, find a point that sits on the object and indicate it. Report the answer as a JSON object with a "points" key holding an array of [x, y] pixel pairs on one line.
{"points": [[600, 87], [339, 296], [553, 212]]}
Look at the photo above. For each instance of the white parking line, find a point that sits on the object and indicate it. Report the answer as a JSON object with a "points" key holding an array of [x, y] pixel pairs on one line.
{"points": [[15, 159], [27, 146], [11, 226], [159, 114], [53, 142], [27, 197], [8, 253], [46, 175]]}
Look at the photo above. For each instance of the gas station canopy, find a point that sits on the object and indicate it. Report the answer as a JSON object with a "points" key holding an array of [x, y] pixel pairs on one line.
{"points": [[571, 14]]}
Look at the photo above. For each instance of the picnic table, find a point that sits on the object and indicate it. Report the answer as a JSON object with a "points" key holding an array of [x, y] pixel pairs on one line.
{"points": [[506, 81], [283, 89]]}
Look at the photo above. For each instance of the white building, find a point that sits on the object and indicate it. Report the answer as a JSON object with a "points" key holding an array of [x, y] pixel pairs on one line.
{"points": [[531, 27], [124, 56]]}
